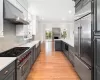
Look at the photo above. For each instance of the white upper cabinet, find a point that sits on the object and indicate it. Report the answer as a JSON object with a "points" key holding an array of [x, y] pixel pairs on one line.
{"points": [[22, 30], [25, 13], [19, 6], [1, 18], [24, 3], [16, 4], [33, 25], [13, 2], [23, 6]]}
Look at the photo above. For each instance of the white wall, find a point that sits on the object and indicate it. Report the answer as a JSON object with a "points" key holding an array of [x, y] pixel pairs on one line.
{"points": [[63, 25]]}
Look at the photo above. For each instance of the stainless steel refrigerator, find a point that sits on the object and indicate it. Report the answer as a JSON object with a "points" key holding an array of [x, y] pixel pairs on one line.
{"points": [[82, 34]]}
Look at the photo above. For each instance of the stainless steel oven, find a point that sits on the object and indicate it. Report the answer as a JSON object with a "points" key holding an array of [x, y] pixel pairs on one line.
{"points": [[24, 68]]}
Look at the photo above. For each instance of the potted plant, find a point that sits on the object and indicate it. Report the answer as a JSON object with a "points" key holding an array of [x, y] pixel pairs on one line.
{"points": [[64, 34]]}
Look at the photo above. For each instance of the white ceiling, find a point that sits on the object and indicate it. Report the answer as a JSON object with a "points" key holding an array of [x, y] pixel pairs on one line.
{"points": [[52, 9]]}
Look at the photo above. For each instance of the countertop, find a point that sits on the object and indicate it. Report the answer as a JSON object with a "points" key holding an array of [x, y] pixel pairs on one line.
{"points": [[30, 44], [68, 41], [5, 61]]}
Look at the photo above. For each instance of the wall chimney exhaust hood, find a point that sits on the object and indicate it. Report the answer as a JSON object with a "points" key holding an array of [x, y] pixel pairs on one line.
{"points": [[13, 14]]}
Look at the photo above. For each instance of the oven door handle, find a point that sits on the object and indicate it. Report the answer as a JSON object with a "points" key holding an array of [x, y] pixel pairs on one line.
{"points": [[20, 66]]}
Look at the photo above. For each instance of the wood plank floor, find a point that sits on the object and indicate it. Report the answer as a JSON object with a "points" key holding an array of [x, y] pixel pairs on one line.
{"points": [[52, 65]]}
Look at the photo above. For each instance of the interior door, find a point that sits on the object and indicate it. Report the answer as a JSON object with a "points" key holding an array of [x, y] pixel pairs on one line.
{"points": [[86, 39], [76, 37]]}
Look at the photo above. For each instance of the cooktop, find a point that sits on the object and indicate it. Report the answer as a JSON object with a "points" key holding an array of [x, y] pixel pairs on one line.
{"points": [[14, 52]]}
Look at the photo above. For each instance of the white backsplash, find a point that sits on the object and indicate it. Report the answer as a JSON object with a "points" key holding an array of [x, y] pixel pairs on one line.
{"points": [[10, 39]]}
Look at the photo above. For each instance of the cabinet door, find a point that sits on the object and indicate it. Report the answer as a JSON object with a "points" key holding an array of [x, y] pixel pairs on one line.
{"points": [[97, 74], [97, 52], [19, 6], [71, 58], [63, 46], [58, 46], [78, 5], [13, 2], [11, 76], [1, 18], [24, 3], [71, 54], [97, 57], [97, 17], [77, 1]]}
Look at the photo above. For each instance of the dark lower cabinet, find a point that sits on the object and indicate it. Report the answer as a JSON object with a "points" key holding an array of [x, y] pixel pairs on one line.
{"points": [[97, 74], [32, 55], [63, 46], [58, 45], [35, 53], [71, 54], [39, 46], [97, 52], [97, 58], [97, 17], [71, 58], [66, 50], [37, 50], [96, 36], [8, 73], [11, 76]]}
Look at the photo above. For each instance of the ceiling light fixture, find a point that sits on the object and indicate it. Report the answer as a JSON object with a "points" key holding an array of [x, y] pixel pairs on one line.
{"points": [[70, 11]]}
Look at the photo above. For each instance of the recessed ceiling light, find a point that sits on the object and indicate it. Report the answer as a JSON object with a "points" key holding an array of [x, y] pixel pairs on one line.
{"points": [[42, 18], [63, 19], [70, 11]]}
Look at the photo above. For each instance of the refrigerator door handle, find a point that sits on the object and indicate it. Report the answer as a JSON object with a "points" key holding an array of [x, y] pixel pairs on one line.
{"points": [[79, 38], [89, 68]]}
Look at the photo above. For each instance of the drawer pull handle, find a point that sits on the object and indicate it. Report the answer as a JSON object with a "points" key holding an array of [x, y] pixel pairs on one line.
{"points": [[5, 72]]}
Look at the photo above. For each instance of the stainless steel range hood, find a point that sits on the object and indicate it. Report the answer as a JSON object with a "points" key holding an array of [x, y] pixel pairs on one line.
{"points": [[13, 14]]}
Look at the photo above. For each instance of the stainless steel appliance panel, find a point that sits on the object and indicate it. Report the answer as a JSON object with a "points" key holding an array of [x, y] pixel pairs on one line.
{"points": [[76, 38], [23, 69], [82, 69], [86, 39], [98, 16]]}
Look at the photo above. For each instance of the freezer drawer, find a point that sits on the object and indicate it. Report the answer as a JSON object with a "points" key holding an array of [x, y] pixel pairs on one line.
{"points": [[71, 58], [97, 74], [97, 51], [82, 70]]}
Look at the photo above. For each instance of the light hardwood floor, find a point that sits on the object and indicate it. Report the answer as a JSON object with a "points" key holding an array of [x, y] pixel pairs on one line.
{"points": [[52, 65]]}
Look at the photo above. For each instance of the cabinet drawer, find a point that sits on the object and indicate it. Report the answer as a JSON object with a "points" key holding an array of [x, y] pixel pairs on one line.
{"points": [[7, 70], [66, 54], [71, 49], [97, 74], [11, 76], [82, 69], [71, 58]]}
